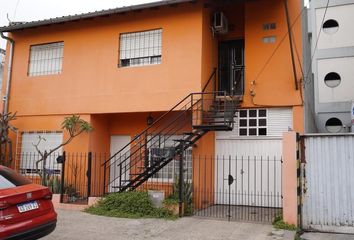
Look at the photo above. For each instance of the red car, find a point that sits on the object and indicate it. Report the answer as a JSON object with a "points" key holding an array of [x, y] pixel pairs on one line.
{"points": [[26, 209]]}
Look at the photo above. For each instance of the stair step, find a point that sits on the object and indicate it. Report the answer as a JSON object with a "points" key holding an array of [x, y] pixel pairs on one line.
{"points": [[118, 186], [135, 174], [213, 127], [221, 121]]}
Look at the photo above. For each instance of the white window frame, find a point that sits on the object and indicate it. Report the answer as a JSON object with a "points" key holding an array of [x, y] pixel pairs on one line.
{"points": [[45, 59], [140, 48], [28, 154], [248, 118]]}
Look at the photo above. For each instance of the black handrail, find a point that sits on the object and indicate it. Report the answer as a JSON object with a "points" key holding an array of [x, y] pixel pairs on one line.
{"points": [[145, 130], [213, 75], [159, 119]]}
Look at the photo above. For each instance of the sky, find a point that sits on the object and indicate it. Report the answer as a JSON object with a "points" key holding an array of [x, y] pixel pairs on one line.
{"points": [[30, 10]]}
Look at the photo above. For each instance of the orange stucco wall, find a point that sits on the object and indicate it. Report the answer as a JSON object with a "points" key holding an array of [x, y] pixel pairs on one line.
{"points": [[52, 123], [91, 81], [116, 101]]}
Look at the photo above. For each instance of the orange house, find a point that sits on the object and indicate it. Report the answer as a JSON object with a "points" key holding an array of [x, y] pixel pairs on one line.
{"points": [[124, 69]]}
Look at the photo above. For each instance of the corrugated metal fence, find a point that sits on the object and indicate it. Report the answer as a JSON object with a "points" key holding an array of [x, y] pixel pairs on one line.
{"points": [[329, 183]]}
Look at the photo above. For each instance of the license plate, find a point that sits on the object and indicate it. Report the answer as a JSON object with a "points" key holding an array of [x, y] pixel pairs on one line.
{"points": [[25, 207]]}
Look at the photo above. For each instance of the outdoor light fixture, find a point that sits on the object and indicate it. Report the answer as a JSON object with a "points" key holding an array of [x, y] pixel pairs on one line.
{"points": [[149, 120]]}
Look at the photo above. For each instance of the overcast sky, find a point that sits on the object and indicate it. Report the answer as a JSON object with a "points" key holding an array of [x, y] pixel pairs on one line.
{"points": [[29, 10]]}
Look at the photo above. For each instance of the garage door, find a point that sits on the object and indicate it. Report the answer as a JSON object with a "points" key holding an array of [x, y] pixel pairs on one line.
{"points": [[251, 154]]}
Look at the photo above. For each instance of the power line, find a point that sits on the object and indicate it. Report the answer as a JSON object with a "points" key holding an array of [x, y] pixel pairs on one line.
{"points": [[317, 40], [18, 1], [279, 44]]}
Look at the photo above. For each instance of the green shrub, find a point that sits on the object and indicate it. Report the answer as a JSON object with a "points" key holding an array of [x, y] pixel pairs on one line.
{"points": [[54, 184], [280, 224], [187, 196], [128, 205]]}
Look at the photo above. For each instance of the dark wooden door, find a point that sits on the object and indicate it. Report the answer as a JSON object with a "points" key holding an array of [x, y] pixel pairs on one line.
{"points": [[231, 67]]}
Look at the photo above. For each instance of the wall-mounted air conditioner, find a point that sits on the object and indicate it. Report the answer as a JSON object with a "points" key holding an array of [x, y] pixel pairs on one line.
{"points": [[220, 23]]}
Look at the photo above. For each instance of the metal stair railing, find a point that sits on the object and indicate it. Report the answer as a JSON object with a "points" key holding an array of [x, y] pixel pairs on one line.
{"points": [[133, 160]]}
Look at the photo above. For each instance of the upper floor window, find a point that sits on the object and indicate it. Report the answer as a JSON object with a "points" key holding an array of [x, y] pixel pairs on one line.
{"points": [[140, 48], [46, 59]]}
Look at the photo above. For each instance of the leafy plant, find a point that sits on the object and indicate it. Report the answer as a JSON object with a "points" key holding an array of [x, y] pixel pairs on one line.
{"points": [[74, 126], [54, 184], [129, 205], [187, 196], [280, 224], [70, 190], [5, 141]]}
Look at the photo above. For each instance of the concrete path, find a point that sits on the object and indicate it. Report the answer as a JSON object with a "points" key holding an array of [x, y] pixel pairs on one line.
{"points": [[326, 236], [78, 225]]}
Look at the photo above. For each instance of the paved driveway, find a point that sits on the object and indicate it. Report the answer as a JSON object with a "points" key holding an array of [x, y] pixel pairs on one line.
{"points": [[78, 225]]}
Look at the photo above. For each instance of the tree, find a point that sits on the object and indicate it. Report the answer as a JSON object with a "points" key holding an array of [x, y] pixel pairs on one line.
{"points": [[5, 141], [74, 126]]}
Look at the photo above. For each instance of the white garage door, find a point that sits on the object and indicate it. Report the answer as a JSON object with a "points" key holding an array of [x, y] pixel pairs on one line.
{"points": [[252, 155]]}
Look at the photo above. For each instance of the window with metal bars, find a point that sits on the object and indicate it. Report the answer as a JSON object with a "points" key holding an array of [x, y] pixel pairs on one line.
{"points": [[46, 59], [253, 122], [163, 147], [28, 154], [140, 48]]}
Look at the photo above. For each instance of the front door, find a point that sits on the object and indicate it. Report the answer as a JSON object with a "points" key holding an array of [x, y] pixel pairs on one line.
{"points": [[120, 164], [231, 67]]}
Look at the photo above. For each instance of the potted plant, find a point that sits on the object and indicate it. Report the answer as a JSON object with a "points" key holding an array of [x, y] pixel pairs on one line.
{"points": [[69, 194]]}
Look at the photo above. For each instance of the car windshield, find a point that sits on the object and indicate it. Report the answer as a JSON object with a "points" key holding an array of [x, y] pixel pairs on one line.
{"points": [[9, 178]]}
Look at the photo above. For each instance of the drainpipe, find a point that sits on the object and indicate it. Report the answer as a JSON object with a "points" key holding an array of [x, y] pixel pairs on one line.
{"points": [[291, 42], [9, 71]]}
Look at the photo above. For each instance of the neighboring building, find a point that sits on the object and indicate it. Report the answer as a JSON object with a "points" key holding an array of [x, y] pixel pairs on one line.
{"points": [[121, 69], [332, 38]]}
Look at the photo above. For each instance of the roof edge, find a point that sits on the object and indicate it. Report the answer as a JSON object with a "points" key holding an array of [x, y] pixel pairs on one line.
{"points": [[76, 17]]}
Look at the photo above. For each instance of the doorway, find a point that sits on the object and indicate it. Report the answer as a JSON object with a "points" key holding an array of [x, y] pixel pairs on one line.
{"points": [[231, 67]]}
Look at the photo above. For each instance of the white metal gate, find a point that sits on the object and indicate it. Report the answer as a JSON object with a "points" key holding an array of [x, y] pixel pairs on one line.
{"points": [[328, 179], [255, 164]]}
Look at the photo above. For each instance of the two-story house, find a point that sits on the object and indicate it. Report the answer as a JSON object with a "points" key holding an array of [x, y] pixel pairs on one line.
{"points": [[124, 69]]}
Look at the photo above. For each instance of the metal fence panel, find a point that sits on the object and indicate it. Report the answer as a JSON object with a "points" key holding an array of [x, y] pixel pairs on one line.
{"points": [[328, 183]]}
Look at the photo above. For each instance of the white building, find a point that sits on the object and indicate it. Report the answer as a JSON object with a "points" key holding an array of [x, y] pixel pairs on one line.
{"points": [[330, 25]]}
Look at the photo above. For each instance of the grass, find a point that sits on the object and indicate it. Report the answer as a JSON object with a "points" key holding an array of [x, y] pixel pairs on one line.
{"points": [[129, 205], [279, 223]]}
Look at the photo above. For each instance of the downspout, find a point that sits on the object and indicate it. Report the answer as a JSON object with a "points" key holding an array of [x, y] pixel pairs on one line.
{"points": [[291, 42], [9, 72]]}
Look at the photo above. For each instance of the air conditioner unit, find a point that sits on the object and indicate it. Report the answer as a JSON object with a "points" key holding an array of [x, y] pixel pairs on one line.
{"points": [[220, 24]]}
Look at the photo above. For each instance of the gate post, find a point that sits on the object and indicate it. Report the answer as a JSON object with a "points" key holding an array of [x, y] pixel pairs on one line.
{"points": [[62, 178], [180, 193], [89, 174], [289, 178]]}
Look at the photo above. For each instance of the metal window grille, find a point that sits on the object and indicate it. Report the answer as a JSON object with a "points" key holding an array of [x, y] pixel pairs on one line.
{"points": [[253, 122], [29, 156], [46, 59], [171, 170], [140, 48]]}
